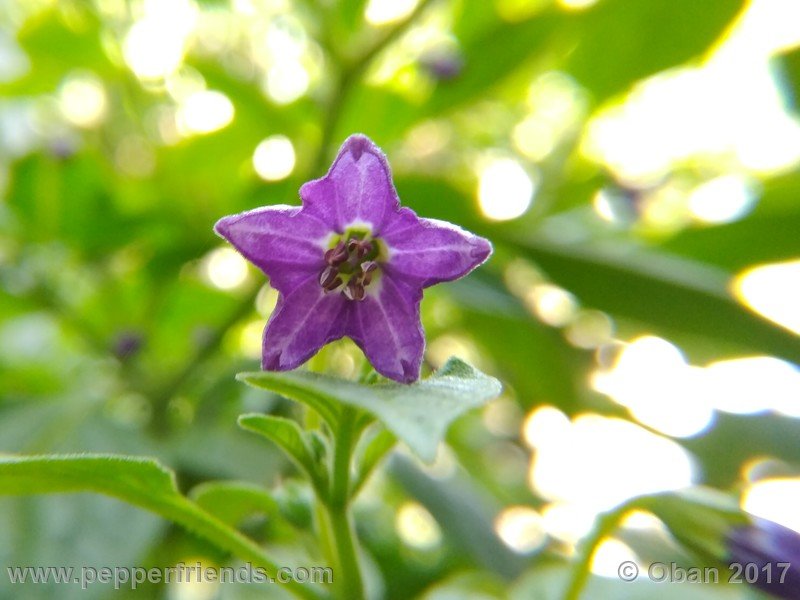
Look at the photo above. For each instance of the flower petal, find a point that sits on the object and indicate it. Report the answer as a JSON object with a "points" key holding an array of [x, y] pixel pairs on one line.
{"points": [[386, 326], [301, 324], [429, 251], [358, 187], [283, 241]]}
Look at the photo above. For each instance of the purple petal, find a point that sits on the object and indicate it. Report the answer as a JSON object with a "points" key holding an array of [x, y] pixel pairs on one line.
{"points": [[428, 251], [386, 326], [283, 241], [770, 547], [302, 322], [357, 189]]}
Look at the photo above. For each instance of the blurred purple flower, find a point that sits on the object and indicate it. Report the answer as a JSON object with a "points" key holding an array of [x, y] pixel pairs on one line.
{"points": [[764, 543], [351, 262], [443, 63], [127, 344]]}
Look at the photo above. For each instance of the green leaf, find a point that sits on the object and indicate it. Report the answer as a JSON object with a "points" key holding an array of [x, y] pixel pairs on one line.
{"points": [[139, 481], [233, 501], [512, 44], [419, 413], [768, 234], [288, 435], [664, 291], [619, 42]]}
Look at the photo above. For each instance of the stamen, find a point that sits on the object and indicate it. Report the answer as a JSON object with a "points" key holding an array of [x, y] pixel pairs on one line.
{"points": [[368, 268], [345, 269], [354, 290], [336, 255], [328, 276]]}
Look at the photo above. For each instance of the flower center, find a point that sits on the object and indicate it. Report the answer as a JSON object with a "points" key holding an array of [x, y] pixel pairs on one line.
{"points": [[352, 264]]}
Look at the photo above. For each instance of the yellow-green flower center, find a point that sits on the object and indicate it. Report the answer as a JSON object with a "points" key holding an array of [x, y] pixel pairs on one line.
{"points": [[352, 263]]}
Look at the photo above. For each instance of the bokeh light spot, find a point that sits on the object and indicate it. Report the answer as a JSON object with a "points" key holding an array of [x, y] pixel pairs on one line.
{"points": [[505, 189], [274, 158]]}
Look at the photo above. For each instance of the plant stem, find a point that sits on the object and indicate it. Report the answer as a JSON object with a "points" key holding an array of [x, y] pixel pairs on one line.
{"points": [[607, 524], [350, 585], [348, 582]]}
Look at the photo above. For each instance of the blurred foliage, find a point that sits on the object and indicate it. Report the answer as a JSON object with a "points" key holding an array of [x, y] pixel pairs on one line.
{"points": [[115, 335]]}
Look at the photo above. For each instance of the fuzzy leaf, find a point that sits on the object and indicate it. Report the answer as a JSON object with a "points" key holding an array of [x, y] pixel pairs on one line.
{"points": [[286, 434], [418, 414]]}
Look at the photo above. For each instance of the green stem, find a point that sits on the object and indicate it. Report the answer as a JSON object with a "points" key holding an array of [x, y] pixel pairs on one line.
{"points": [[348, 580], [607, 524]]}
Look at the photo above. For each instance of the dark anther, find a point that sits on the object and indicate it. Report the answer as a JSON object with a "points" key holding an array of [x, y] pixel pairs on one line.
{"points": [[360, 248], [354, 290], [368, 268], [344, 265], [328, 278], [336, 255]]}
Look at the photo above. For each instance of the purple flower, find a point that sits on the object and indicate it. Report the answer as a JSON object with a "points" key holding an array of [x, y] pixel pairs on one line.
{"points": [[351, 262], [774, 549]]}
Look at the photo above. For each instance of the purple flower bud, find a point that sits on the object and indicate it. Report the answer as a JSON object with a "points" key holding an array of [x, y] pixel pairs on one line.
{"points": [[443, 64], [775, 552], [127, 344]]}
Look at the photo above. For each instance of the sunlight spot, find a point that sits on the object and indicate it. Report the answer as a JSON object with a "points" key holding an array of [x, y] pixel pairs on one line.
{"points": [[535, 138], [589, 329], [152, 50], [225, 268], [521, 276], [642, 520], [444, 346], [723, 199], [576, 4], [544, 427], [266, 300], [250, 339], [592, 464], [184, 82], [82, 99], [204, 112], [552, 304], [604, 203], [754, 384], [502, 417], [382, 12], [287, 81], [417, 527], [189, 582], [567, 522], [505, 190], [776, 500], [653, 381], [608, 557], [521, 528], [274, 158], [773, 291]]}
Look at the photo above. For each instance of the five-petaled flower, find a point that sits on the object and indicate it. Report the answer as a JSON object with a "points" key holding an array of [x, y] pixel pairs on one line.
{"points": [[351, 262]]}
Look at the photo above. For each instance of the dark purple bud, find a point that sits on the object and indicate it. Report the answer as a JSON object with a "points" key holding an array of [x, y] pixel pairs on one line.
{"points": [[774, 549], [63, 148], [127, 344], [443, 64]]}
